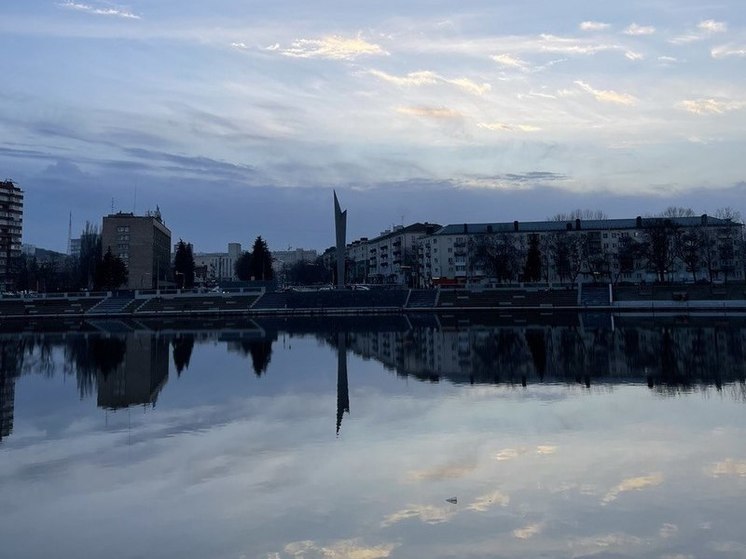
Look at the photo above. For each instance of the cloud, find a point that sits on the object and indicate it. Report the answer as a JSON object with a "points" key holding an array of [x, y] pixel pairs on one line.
{"points": [[240, 45], [412, 79], [633, 484], [607, 96], [632, 55], [546, 449], [712, 26], [667, 59], [728, 50], [509, 60], [485, 502], [503, 127], [729, 467], [509, 181], [437, 113], [568, 45], [635, 29], [452, 471], [705, 29], [710, 106], [425, 513], [342, 549], [668, 531], [99, 11], [528, 531], [426, 77], [593, 26], [509, 454], [333, 47]]}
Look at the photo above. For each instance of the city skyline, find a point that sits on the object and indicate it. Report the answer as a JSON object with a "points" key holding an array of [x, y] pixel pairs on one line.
{"points": [[238, 120]]}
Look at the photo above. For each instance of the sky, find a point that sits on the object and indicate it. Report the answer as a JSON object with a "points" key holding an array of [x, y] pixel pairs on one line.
{"points": [[238, 118]]}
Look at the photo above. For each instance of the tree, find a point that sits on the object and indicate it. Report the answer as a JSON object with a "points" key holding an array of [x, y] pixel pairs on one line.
{"points": [[184, 265], [261, 261], [497, 255], [308, 273], [660, 245], [690, 244], [677, 211], [111, 272], [243, 266], [579, 214], [532, 269], [90, 256], [628, 255], [566, 254], [183, 345]]}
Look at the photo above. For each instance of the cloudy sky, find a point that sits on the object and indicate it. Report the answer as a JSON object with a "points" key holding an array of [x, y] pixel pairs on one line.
{"points": [[237, 118]]}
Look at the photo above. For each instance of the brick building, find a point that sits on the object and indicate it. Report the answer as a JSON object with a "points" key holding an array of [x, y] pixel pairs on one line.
{"points": [[144, 243]]}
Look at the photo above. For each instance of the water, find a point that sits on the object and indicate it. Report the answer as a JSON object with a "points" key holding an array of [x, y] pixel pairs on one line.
{"points": [[559, 436]]}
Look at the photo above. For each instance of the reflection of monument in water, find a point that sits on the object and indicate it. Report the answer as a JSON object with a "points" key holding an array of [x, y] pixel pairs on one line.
{"points": [[141, 375], [343, 394]]}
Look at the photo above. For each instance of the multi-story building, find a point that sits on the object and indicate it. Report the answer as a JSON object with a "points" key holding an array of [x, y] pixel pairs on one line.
{"points": [[143, 243], [391, 257], [11, 229], [639, 249], [286, 258], [219, 266]]}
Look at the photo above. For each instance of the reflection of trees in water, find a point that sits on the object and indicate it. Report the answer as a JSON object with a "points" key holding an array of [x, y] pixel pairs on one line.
{"points": [[91, 356], [261, 354], [661, 355], [538, 348], [183, 345]]}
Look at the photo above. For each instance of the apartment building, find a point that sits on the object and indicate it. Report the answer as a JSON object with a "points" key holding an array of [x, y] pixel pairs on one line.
{"points": [[635, 250], [143, 243], [390, 258], [11, 230]]}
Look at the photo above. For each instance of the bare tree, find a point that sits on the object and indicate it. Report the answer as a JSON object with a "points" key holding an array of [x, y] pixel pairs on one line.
{"points": [[660, 245], [579, 214], [499, 256], [729, 214], [677, 211], [689, 249], [566, 254]]}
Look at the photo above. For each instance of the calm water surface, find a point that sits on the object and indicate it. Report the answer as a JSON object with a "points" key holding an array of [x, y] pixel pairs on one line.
{"points": [[390, 437]]}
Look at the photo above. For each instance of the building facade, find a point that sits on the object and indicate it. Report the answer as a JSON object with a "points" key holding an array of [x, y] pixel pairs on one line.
{"points": [[609, 250], [218, 266], [390, 258], [144, 244], [11, 230]]}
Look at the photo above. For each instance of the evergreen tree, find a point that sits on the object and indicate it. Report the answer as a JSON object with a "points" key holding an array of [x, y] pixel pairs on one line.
{"points": [[90, 255], [184, 265], [243, 267], [111, 272], [261, 261], [532, 269]]}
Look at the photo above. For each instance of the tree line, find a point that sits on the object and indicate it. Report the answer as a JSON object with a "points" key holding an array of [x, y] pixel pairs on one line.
{"points": [[658, 246], [93, 269]]}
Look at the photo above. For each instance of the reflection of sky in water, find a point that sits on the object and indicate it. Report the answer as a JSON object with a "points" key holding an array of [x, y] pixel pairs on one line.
{"points": [[230, 465]]}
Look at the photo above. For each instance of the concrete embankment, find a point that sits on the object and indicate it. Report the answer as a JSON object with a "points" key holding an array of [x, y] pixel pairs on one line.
{"points": [[258, 302]]}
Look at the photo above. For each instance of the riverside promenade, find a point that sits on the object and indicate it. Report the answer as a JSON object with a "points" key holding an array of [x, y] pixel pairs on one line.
{"points": [[681, 299]]}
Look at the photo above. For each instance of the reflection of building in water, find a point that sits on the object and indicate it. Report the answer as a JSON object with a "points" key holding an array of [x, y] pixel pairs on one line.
{"points": [[7, 400], [141, 375], [658, 354]]}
